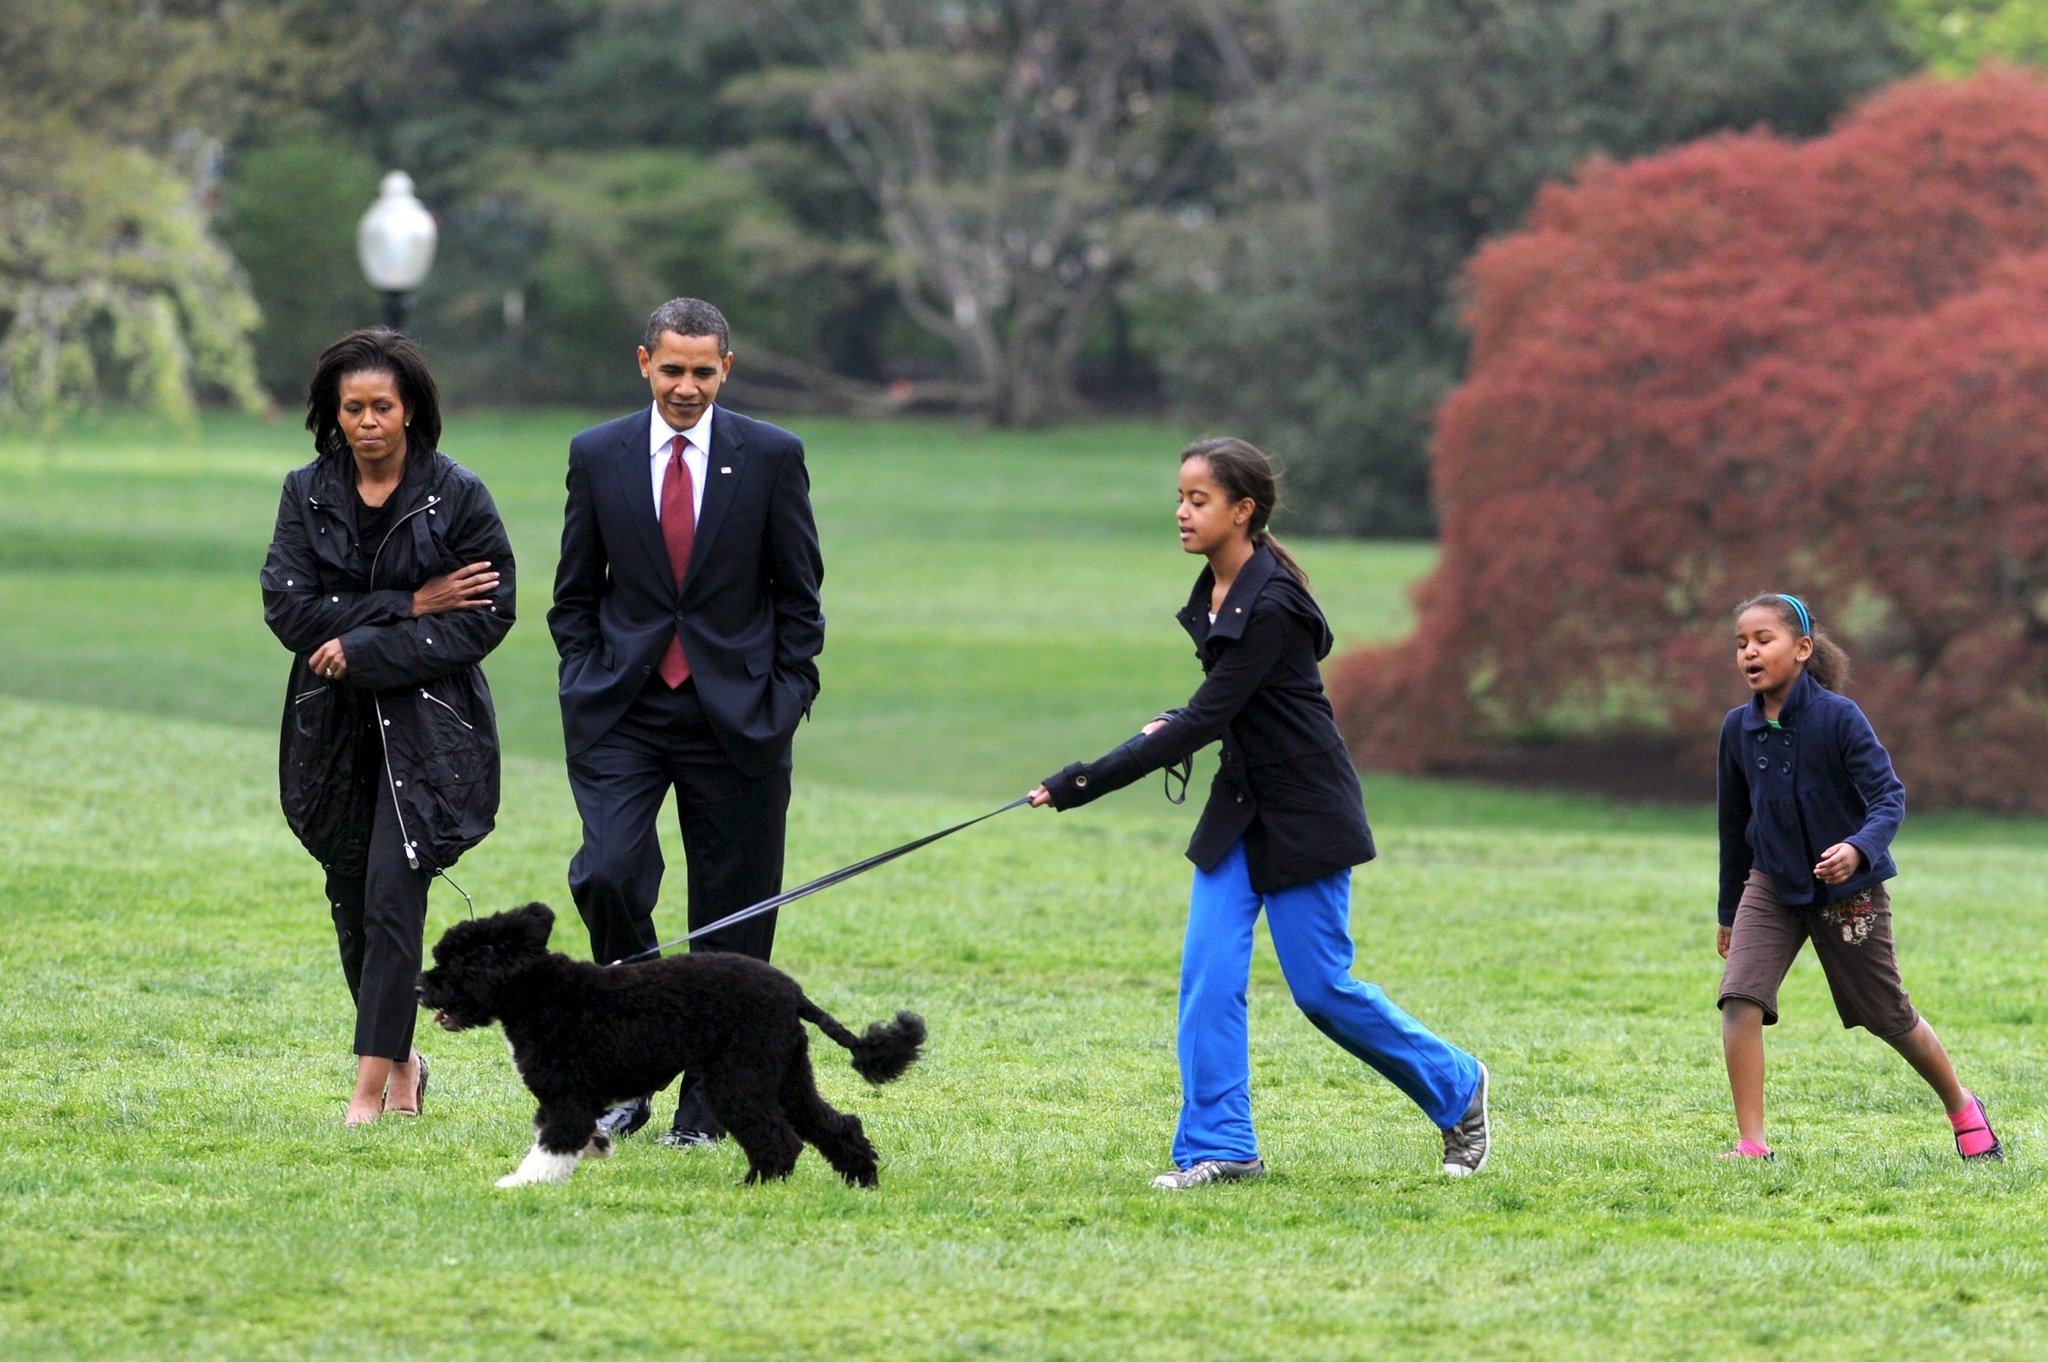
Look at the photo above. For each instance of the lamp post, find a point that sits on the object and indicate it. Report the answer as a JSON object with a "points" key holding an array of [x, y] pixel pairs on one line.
{"points": [[396, 245]]}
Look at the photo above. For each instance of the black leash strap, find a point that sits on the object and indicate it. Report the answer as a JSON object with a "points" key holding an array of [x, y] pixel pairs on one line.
{"points": [[1182, 771], [838, 876]]}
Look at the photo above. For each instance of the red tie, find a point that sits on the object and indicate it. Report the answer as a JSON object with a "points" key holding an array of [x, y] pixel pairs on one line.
{"points": [[678, 531]]}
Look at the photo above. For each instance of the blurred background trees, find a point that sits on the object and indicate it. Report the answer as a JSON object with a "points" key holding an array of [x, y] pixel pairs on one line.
{"points": [[112, 120], [1255, 212], [1318, 313], [1748, 365]]}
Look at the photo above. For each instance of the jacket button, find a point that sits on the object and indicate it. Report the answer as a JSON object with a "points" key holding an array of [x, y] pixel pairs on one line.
{"points": [[1785, 767], [1763, 763], [1240, 799], [1080, 782]]}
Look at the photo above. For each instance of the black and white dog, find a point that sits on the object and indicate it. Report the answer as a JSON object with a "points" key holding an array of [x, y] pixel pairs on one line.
{"points": [[587, 1036]]}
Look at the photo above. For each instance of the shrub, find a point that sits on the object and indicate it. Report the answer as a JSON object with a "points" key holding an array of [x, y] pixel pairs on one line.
{"points": [[1742, 365], [111, 288]]}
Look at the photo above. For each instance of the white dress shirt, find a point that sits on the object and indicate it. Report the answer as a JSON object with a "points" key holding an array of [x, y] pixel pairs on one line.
{"points": [[696, 457]]}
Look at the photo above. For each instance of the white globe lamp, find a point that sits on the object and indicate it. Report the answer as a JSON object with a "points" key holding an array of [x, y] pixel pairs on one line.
{"points": [[396, 245]]}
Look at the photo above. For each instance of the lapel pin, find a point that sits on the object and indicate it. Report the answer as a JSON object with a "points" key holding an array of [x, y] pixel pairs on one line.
{"points": [[726, 469]]}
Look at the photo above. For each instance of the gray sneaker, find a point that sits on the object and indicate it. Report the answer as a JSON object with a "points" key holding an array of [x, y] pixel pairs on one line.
{"points": [[1467, 1143], [1209, 1170]]}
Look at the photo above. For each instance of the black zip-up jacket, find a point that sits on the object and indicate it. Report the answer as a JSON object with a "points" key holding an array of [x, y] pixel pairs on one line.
{"points": [[416, 679], [1286, 786]]}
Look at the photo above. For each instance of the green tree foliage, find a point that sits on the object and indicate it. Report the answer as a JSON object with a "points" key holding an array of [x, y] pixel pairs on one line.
{"points": [[149, 72], [620, 232], [111, 115], [1006, 148], [1319, 313], [584, 165], [110, 286], [290, 217], [1954, 39]]}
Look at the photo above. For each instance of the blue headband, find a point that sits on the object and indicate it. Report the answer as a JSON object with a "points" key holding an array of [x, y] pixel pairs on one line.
{"points": [[1805, 620]]}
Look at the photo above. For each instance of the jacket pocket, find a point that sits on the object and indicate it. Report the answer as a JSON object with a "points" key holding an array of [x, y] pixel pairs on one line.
{"points": [[454, 748], [1306, 784]]}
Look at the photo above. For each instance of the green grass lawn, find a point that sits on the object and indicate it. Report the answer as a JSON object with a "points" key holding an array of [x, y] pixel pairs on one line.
{"points": [[175, 1182]]}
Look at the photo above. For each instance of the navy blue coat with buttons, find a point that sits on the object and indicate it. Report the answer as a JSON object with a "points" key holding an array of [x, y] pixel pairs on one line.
{"points": [[1286, 786], [1789, 793]]}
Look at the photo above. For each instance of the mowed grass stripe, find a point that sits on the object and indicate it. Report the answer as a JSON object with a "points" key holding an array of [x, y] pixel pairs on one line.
{"points": [[997, 603], [177, 1185]]}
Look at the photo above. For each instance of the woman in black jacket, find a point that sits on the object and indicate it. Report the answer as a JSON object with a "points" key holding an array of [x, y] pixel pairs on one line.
{"points": [[389, 579], [1284, 825]]}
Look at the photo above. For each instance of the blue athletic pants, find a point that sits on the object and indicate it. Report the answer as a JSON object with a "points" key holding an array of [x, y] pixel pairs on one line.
{"points": [[1311, 927]]}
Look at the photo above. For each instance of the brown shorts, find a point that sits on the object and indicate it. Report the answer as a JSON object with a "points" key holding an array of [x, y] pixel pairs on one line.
{"points": [[1853, 940]]}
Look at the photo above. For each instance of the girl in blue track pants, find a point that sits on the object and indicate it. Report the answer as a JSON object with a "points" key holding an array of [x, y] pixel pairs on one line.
{"points": [[1283, 826]]}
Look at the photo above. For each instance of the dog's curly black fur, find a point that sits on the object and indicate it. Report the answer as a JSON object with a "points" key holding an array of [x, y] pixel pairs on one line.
{"points": [[586, 1036]]}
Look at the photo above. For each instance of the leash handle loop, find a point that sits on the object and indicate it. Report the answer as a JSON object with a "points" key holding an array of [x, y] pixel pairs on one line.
{"points": [[1182, 771]]}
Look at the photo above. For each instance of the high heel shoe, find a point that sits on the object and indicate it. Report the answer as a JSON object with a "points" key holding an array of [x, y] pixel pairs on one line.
{"points": [[419, 1093]]}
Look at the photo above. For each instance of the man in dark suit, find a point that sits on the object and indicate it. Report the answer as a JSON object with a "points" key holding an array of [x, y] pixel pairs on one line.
{"points": [[686, 614]]}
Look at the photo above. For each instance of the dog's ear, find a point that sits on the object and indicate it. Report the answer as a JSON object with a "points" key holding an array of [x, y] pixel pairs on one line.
{"points": [[536, 922]]}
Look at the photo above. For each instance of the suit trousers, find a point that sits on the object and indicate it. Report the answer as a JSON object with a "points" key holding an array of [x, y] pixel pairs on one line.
{"points": [[1311, 927], [380, 924], [732, 824]]}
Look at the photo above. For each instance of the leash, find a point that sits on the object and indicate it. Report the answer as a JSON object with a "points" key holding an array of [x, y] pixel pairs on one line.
{"points": [[839, 876]]}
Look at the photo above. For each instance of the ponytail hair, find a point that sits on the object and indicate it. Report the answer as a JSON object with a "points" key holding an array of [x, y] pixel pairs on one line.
{"points": [[1828, 665], [1244, 473]]}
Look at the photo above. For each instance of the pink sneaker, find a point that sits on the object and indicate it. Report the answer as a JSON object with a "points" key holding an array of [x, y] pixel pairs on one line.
{"points": [[1749, 1149], [1975, 1139]]}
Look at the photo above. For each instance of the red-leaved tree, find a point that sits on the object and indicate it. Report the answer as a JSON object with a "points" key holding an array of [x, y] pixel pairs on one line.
{"points": [[1750, 365]]}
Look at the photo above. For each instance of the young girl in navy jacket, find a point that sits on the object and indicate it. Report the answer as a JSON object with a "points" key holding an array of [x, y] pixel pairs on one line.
{"points": [[1283, 827], [1809, 807]]}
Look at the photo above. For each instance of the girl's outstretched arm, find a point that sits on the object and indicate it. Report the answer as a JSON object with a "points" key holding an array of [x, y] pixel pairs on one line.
{"points": [[1234, 679]]}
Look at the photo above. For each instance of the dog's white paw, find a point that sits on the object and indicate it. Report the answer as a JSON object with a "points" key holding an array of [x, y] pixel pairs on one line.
{"points": [[600, 1147], [540, 1166]]}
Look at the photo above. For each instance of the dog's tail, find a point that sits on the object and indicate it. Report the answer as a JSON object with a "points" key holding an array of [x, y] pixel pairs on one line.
{"points": [[884, 1052]]}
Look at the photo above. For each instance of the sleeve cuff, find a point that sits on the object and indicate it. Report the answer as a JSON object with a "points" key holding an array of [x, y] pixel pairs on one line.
{"points": [[1069, 787]]}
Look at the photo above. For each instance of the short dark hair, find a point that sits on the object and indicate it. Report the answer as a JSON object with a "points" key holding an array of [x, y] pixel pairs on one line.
{"points": [[374, 350], [687, 317]]}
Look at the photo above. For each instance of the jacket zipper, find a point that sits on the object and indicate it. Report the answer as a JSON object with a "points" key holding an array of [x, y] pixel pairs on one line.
{"points": [[428, 695], [306, 695], [412, 850]]}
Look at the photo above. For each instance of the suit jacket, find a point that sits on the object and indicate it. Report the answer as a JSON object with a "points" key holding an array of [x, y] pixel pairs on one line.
{"points": [[748, 612]]}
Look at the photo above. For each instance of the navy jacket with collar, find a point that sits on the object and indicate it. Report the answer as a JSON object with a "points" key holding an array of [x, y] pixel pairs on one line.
{"points": [[1791, 792], [748, 612], [1286, 786]]}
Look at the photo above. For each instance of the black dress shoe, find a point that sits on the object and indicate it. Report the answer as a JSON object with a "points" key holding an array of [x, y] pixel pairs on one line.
{"points": [[686, 1139], [625, 1118]]}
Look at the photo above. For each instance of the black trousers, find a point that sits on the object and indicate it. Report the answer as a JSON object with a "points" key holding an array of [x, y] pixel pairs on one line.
{"points": [[380, 924], [732, 825]]}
